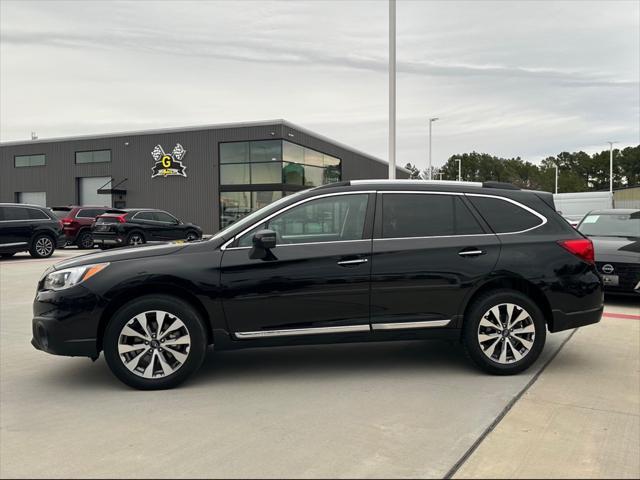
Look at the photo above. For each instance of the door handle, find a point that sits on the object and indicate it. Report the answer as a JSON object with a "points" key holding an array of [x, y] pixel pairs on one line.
{"points": [[357, 261], [470, 252]]}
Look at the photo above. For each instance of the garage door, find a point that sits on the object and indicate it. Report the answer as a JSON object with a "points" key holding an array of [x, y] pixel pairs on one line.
{"points": [[33, 198], [88, 191]]}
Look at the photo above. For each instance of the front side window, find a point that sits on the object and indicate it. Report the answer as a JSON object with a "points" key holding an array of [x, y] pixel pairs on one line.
{"points": [[329, 219], [95, 156], [29, 160], [611, 225], [504, 216], [406, 215]]}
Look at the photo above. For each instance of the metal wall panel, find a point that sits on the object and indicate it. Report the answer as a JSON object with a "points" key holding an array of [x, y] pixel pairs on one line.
{"points": [[192, 199]]}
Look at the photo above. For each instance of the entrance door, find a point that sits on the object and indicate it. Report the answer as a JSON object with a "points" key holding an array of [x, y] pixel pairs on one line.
{"points": [[317, 278]]}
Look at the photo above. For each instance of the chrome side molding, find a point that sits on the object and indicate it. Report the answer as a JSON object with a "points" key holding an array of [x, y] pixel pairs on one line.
{"points": [[410, 325], [301, 331]]}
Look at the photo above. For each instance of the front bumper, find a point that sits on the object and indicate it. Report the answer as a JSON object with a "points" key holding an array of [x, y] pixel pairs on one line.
{"points": [[66, 322]]}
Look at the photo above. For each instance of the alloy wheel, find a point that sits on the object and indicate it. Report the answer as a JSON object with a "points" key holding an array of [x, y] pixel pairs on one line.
{"points": [[44, 246], [191, 237], [154, 344], [86, 241], [506, 333], [136, 239]]}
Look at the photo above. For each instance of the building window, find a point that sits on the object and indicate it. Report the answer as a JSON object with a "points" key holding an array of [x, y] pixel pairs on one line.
{"points": [[269, 162], [30, 160], [235, 205], [95, 156]]}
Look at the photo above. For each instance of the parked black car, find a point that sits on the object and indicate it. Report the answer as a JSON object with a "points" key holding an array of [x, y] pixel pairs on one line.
{"points": [[29, 228], [616, 238], [490, 265], [136, 226]]}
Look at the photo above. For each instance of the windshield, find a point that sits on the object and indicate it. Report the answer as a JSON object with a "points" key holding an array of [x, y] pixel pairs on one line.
{"points": [[249, 219], [611, 225]]}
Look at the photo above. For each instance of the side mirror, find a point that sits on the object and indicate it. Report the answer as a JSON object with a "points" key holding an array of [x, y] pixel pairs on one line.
{"points": [[263, 242]]}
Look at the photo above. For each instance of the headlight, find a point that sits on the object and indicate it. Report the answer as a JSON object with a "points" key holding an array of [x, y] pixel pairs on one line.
{"points": [[60, 279]]}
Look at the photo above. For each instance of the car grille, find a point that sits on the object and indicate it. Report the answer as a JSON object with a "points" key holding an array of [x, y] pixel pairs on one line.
{"points": [[628, 274]]}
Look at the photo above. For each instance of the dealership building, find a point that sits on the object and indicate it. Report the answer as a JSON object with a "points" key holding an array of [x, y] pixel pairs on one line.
{"points": [[210, 175]]}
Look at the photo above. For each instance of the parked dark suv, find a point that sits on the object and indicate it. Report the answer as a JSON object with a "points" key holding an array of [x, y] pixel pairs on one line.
{"points": [[77, 222], [136, 226], [29, 228], [491, 265]]}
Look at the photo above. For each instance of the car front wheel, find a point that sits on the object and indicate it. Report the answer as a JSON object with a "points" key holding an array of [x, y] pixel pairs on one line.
{"points": [[504, 332], [155, 342]]}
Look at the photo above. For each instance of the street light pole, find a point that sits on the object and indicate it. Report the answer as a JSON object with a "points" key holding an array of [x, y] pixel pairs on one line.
{"points": [[556, 166], [431, 120], [392, 89], [459, 160], [611, 166]]}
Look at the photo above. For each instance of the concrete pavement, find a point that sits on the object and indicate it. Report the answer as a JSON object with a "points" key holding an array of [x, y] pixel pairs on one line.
{"points": [[406, 409]]}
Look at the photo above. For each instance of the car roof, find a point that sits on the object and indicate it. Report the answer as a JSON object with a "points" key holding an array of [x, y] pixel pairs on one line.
{"points": [[614, 211], [22, 205], [71, 207]]}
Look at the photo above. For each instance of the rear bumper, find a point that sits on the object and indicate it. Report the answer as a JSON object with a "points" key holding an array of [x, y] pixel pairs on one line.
{"points": [[107, 239], [566, 321]]}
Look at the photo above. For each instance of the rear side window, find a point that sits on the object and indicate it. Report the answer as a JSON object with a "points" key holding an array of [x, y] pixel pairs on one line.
{"points": [[61, 212], [35, 214], [504, 216], [426, 215], [148, 216]]}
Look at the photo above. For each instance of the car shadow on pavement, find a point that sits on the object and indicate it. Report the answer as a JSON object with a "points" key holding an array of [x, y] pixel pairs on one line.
{"points": [[334, 361]]}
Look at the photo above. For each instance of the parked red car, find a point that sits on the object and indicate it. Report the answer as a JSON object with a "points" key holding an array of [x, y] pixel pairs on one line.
{"points": [[77, 222]]}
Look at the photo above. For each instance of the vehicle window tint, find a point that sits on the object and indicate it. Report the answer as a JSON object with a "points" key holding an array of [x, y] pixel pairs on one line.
{"points": [[15, 213], [425, 215], [164, 217], [35, 214], [61, 212], [327, 219], [149, 216], [89, 212], [503, 216]]}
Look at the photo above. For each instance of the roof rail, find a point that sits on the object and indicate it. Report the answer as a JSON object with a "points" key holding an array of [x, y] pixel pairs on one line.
{"points": [[345, 183], [502, 185]]}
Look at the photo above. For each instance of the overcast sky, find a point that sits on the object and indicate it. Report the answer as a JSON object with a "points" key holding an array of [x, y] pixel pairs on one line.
{"points": [[508, 77]]}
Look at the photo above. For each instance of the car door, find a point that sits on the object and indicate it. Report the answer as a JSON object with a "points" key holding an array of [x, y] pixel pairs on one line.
{"points": [[316, 280], [168, 227], [16, 227], [429, 250], [146, 222]]}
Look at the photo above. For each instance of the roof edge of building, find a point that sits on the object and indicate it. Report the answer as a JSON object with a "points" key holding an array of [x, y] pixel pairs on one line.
{"points": [[260, 123]]}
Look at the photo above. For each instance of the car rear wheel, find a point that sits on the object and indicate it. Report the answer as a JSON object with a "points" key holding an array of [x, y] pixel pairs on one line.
{"points": [[136, 238], [42, 246], [155, 342], [192, 236], [504, 332], [85, 240]]}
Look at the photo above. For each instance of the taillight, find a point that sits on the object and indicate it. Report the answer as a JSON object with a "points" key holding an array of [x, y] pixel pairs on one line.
{"points": [[580, 247], [67, 221], [122, 218]]}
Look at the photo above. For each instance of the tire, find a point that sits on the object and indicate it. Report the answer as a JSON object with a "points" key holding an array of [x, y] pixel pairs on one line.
{"points": [[154, 374], [6, 255], [136, 238], [85, 240], [192, 236], [498, 352], [42, 246]]}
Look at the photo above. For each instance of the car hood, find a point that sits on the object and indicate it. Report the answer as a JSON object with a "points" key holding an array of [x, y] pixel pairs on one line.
{"points": [[617, 249], [141, 251]]}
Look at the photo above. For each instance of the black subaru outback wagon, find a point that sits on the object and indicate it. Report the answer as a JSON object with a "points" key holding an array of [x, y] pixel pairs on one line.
{"points": [[488, 264]]}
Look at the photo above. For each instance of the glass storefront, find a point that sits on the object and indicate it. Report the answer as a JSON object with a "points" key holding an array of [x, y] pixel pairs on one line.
{"points": [[287, 166]]}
